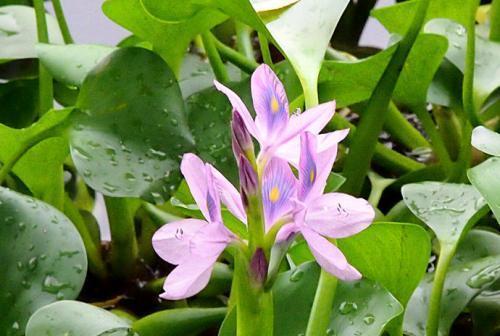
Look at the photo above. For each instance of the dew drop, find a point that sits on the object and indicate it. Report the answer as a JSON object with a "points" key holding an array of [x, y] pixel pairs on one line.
{"points": [[483, 277], [347, 307], [369, 319]]}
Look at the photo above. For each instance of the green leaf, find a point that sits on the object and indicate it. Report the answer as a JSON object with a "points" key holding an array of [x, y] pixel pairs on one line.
{"points": [[303, 31], [228, 326], [334, 182], [18, 102], [389, 252], [42, 256], [70, 63], [129, 144], [397, 18], [477, 244], [486, 179], [41, 166], [170, 39], [446, 208], [73, 318], [486, 59], [486, 140], [485, 311], [361, 306], [182, 321], [463, 282], [18, 34]]}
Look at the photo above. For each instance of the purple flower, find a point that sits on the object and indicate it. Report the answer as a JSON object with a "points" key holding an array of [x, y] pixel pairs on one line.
{"points": [[332, 215], [273, 127], [192, 244]]}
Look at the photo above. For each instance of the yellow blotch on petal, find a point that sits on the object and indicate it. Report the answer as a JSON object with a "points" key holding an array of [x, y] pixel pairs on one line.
{"points": [[312, 176], [274, 194], [275, 106]]}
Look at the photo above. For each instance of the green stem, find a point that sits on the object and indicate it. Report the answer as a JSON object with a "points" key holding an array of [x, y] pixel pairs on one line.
{"points": [[254, 305], [96, 264], [322, 307], [378, 186], [363, 145], [45, 86], [244, 40], [447, 252], [310, 87], [402, 130], [384, 156], [213, 55], [61, 20], [468, 82], [246, 64], [264, 49], [124, 249], [449, 130], [437, 142], [495, 21]]}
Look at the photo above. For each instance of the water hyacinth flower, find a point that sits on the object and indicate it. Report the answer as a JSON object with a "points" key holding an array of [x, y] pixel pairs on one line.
{"points": [[273, 127], [192, 244], [332, 215]]}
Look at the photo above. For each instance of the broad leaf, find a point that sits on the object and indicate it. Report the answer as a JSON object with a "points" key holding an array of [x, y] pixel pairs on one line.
{"points": [[182, 321], [485, 311], [445, 207], [486, 59], [389, 252], [360, 306], [18, 102], [70, 63], [129, 143], [463, 282], [42, 256], [73, 318], [18, 34], [169, 38], [477, 244], [486, 179], [486, 140]]}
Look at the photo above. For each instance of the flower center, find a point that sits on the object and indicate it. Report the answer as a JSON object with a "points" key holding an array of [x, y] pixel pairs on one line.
{"points": [[274, 194], [275, 106]]}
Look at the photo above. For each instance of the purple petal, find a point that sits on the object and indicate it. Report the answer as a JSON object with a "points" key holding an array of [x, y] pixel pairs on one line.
{"points": [[211, 240], [194, 172], [270, 104], [172, 242], [213, 197], [249, 183], [189, 278], [308, 171], [279, 186], [329, 257], [229, 195], [240, 108], [241, 138], [287, 232], [338, 215]]}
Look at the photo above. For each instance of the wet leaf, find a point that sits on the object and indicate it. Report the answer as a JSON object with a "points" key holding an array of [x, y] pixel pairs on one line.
{"points": [[76, 319], [446, 208], [463, 282], [43, 257], [129, 143], [18, 34], [477, 244], [486, 140], [485, 311], [70, 63]]}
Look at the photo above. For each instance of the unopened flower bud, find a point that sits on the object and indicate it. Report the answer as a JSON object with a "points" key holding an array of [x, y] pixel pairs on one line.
{"points": [[248, 179], [241, 139], [258, 266]]}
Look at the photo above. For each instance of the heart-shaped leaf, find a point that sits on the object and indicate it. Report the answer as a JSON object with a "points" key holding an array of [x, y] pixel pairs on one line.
{"points": [[389, 252], [446, 208], [360, 306], [18, 34], [182, 321], [486, 179], [486, 140], [42, 255], [70, 63], [463, 282], [169, 38], [129, 143], [76, 319], [477, 244]]}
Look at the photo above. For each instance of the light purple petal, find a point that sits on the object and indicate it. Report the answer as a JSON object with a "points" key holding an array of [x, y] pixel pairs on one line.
{"points": [[194, 172], [172, 242], [270, 104], [229, 196], [189, 278], [308, 171], [286, 232], [211, 240], [338, 215], [329, 257], [279, 186], [240, 108]]}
